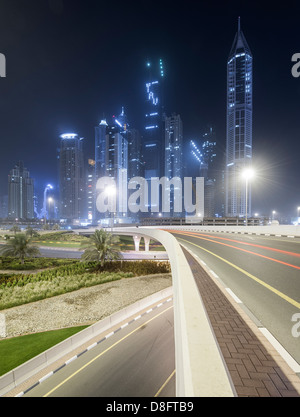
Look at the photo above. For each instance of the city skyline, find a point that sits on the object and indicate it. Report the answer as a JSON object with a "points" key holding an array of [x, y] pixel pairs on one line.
{"points": [[48, 94]]}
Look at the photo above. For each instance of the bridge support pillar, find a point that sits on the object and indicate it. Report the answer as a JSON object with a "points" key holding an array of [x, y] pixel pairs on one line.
{"points": [[137, 240], [147, 242]]}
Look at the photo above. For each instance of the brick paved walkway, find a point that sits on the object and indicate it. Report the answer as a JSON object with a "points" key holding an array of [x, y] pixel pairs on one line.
{"points": [[256, 368]]}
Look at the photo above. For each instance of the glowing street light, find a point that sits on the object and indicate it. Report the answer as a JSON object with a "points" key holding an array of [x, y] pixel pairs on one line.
{"points": [[111, 192], [248, 174]]}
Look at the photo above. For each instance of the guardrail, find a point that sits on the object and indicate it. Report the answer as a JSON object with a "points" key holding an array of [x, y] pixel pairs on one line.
{"points": [[277, 230]]}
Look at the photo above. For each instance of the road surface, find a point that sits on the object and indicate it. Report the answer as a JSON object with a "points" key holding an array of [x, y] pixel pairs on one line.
{"points": [[263, 272], [136, 361]]}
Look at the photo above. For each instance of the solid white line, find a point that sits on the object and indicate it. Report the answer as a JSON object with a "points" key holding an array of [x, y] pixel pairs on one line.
{"points": [[233, 295], [280, 349]]}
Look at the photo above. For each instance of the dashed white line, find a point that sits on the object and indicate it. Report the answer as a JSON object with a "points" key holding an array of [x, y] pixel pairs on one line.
{"points": [[233, 295], [280, 349]]}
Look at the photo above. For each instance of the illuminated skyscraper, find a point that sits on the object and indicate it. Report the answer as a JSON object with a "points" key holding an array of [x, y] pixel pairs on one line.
{"points": [[90, 190], [111, 159], [173, 146], [173, 154], [20, 193], [239, 125], [71, 177], [153, 135]]}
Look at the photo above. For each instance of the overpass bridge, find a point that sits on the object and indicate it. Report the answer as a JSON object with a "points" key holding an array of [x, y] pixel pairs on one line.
{"points": [[200, 367]]}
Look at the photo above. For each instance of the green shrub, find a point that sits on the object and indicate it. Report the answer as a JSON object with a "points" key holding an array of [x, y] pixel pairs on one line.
{"points": [[17, 289]]}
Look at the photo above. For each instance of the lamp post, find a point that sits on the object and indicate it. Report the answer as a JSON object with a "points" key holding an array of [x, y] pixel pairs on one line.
{"points": [[111, 192], [50, 200], [248, 173]]}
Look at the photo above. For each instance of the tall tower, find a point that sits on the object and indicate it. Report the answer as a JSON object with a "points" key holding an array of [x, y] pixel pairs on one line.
{"points": [[71, 177], [173, 150], [153, 137], [173, 146], [20, 193], [111, 159], [239, 126]]}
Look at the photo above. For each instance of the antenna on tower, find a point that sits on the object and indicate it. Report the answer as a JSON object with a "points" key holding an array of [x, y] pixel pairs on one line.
{"points": [[239, 24]]}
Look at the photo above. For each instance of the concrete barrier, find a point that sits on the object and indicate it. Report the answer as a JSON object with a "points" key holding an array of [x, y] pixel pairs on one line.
{"points": [[20, 374], [200, 368], [272, 230]]}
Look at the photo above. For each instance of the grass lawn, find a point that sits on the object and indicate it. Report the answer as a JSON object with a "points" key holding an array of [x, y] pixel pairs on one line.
{"points": [[17, 350]]}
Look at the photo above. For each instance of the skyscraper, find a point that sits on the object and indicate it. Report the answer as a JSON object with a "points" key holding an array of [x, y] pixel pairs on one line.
{"points": [[153, 135], [90, 189], [173, 166], [20, 193], [111, 157], [71, 177], [173, 146], [239, 125], [205, 154]]}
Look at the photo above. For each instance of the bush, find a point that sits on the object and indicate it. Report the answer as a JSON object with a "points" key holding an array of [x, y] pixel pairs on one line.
{"points": [[17, 289]]}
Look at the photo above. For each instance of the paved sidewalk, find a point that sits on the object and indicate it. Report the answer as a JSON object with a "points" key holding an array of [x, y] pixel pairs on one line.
{"points": [[256, 368]]}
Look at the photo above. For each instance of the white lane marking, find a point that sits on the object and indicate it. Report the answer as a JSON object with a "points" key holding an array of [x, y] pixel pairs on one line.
{"points": [[280, 349], [233, 295], [213, 273]]}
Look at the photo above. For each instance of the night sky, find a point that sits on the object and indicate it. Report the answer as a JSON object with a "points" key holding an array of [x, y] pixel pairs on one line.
{"points": [[71, 62]]}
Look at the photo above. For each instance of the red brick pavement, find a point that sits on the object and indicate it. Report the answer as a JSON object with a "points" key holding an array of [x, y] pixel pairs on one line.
{"points": [[256, 368]]}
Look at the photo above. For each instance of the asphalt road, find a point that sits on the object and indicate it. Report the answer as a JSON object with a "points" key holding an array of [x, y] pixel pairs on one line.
{"points": [[136, 361], [263, 272]]}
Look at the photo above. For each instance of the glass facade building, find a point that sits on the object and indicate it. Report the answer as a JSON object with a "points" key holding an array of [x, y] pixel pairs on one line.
{"points": [[153, 136], [239, 126], [111, 159], [20, 193], [71, 177]]}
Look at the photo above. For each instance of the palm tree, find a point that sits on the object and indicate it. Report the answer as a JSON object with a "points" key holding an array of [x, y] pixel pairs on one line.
{"points": [[15, 228], [102, 246], [19, 247]]}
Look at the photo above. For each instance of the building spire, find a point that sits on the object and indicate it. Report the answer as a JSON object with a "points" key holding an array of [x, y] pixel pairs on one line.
{"points": [[239, 24]]}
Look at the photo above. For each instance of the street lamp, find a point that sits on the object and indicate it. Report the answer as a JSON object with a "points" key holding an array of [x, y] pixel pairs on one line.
{"points": [[50, 200], [111, 192], [248, 173]]}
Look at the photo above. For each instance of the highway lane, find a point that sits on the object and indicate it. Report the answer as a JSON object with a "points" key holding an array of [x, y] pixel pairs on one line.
{"points": [[263, 272], [136, 361]]}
